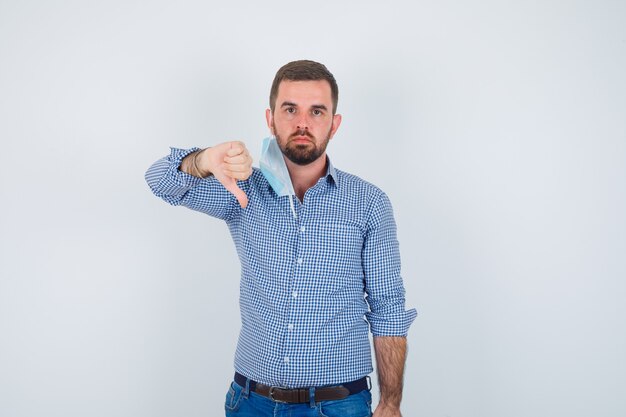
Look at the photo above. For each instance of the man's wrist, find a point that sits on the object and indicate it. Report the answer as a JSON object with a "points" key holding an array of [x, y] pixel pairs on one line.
{"points": [[386, 404], [192, 164], [199, 172]]}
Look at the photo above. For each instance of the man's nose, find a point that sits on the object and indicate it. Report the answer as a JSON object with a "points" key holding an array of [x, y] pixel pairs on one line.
{"points": [[303, 122]]}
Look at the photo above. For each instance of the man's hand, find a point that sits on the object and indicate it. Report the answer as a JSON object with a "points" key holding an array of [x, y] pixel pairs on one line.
{"points": [[386, 411], [228, 162]]}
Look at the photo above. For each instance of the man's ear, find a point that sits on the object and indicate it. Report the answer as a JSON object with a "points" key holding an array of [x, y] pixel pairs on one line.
{"points": [[268, 118], [335, 126]]}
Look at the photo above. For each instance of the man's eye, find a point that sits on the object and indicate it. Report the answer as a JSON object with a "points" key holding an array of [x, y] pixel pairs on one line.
{"points": [[317, 112], [291, 110]]}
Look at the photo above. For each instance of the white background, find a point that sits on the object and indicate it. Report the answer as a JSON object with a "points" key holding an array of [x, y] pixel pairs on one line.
{"points": [[497, 128]]}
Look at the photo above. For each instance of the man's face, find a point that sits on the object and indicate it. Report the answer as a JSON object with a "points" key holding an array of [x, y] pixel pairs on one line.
{"points": [[303, 120]]}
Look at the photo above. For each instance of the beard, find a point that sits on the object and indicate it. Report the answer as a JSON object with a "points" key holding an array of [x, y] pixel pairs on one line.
{"points": [[302, 153]]}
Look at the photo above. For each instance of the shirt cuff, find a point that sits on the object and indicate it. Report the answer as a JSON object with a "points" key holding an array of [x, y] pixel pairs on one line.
{"points": [[391, 325], [166, 179], [174, 173]]}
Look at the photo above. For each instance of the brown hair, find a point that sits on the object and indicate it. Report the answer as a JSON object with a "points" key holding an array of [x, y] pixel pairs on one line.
{"points": [[304, 70]]}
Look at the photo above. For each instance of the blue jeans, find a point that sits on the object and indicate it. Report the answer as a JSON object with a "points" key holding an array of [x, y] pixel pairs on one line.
{"points": [[241, 402]]}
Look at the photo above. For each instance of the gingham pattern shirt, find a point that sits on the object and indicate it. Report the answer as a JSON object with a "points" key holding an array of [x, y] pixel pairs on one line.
{"points": [[312, 286]]}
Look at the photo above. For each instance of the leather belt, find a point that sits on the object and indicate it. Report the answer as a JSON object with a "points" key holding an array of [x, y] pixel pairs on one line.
{"points": [[301, 395]]}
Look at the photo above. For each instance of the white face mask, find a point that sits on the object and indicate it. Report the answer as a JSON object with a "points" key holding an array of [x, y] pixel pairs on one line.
{"points": [[275, 171]]}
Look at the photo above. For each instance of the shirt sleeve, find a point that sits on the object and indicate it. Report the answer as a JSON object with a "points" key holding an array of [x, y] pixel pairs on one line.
{"points": [[176, 187], [381, 266]]}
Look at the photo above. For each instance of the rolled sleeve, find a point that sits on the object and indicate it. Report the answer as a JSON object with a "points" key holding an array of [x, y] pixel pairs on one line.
{"points": [[167, 181], [206, 195], [381, 266]]}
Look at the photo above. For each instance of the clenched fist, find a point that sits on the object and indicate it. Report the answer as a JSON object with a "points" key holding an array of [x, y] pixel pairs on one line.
{"points": [[228, 162]]}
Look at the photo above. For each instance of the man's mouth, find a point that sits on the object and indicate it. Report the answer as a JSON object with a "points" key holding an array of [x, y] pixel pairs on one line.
{"points": [[301, 139]]}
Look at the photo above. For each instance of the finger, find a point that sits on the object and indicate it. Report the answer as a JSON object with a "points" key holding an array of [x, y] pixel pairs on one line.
{"points": [[231, 186], [238, 159], [239, 194], [238, 175], [236, 148], [236, 167]]}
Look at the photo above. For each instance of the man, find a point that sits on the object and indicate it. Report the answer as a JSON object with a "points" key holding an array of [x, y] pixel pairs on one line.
{"points": [[320, 261]]}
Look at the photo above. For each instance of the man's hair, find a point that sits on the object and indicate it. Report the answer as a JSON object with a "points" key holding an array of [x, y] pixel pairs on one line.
{"points": [[304, 70]]}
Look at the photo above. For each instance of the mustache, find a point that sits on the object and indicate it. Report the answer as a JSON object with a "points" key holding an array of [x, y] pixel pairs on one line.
{"points": [[301, 132]]}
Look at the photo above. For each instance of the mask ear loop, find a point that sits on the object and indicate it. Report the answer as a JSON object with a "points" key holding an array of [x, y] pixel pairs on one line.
{"points": [[293, 210]]}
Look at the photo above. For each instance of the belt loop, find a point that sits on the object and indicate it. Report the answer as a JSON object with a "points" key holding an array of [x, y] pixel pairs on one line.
{"points": [[312, 397], [246, 389]]}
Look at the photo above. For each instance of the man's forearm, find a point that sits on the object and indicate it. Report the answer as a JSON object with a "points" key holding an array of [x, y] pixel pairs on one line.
{"points": [[390, 360], [191, 165]]}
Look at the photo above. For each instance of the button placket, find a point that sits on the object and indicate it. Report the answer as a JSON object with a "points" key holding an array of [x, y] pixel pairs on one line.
{"points": [[292, 312], [299, 269]]}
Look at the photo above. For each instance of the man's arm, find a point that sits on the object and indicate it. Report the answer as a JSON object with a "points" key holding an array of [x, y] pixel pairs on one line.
{"points": [[228, 162], [388, 318], [390, 359], [175, 179]]}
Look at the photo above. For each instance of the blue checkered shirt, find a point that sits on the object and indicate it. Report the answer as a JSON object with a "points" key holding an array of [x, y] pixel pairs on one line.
{"points": [[312, 285]]}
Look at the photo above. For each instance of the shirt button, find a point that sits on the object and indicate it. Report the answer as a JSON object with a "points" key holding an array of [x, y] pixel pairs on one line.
{"points": [[302, 229], [286, 359], [300, 260], [290, 326], [294, 294]]}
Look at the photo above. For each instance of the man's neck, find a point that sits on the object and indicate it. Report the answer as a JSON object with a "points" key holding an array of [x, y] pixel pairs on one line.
{"points": [[304, 177]]}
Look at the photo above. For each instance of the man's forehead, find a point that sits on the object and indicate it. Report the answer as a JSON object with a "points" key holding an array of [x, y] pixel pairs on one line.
{"points": [[317, 90]]}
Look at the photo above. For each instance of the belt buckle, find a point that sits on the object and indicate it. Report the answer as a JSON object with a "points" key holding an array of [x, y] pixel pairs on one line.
{"points": [[271, 395]]}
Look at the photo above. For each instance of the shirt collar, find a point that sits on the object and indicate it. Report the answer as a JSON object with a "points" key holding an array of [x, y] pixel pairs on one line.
{"points": [[331, 173]]}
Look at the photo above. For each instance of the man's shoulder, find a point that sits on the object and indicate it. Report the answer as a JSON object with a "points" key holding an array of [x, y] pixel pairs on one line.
{"points": [[256, 173], [351, 183], [257, 177]]}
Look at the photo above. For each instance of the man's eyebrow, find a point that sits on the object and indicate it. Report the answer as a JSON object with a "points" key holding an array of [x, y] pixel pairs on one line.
{"points": [[314, 106]]}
